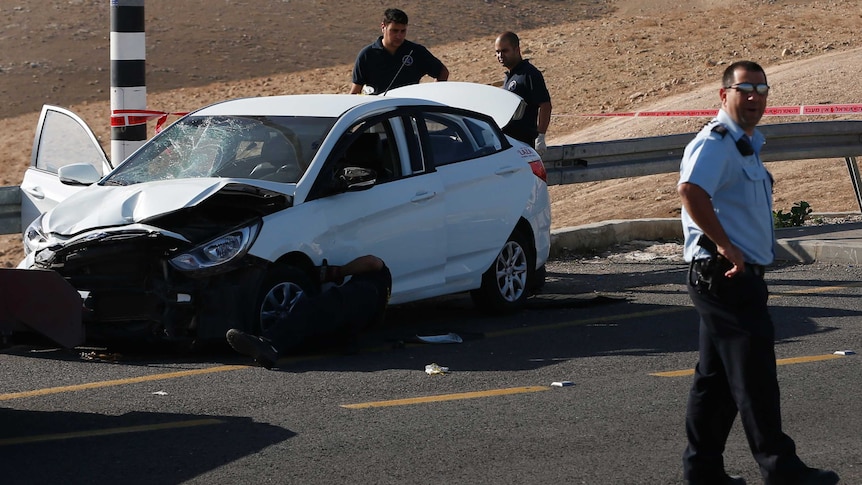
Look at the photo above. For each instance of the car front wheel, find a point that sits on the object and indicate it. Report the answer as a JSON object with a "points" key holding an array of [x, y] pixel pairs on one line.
{"points": [[505, 284], [280, 287]]}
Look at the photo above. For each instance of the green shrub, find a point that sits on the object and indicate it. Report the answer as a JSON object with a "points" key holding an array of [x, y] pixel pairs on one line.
{"points": [[796, 217]]}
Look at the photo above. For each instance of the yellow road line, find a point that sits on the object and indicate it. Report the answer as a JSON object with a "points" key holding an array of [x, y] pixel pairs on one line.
{"points": [[819, 289], [107, 432], [446, 397], [791, 360], [119, 382]]}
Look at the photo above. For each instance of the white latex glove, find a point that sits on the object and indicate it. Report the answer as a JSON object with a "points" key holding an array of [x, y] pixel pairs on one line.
{"points": [[541, 147]]}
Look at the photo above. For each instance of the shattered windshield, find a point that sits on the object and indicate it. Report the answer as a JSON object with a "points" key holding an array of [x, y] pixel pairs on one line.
{"points": [[276, 148]]}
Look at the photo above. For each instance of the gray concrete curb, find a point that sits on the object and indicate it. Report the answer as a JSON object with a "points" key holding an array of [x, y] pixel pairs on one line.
{"points": [[601, 235], [838, 243], [835, 243]]}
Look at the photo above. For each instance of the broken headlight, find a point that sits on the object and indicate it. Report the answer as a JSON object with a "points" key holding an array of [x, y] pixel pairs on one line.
{"points": [[34, 237], [218, 251]]}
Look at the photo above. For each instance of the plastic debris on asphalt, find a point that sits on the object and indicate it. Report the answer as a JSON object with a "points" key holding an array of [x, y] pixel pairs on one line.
{"points": [[160, 393], [449, 338], [844, 352], [100, 357], [562, 384], [432, 369]]}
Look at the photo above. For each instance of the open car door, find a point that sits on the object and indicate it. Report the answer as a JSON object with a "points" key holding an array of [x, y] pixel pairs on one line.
{"points": [[61, 139]]}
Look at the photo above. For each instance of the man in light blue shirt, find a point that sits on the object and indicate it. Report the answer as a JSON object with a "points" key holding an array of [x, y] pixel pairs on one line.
{"points": [[739, 186], [726, 197]]}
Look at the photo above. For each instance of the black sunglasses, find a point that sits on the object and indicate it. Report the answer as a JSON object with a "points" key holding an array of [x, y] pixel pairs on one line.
{"points": [[748, 88]]}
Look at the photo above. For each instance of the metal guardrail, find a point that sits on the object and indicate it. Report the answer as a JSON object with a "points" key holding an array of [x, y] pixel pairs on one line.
{"points": [[635, 157], [10, 210]]}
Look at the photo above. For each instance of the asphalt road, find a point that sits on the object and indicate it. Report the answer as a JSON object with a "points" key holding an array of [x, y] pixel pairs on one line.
{"points": [[623, 333]]}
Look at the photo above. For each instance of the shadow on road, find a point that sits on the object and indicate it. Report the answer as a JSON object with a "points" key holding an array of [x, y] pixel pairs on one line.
{"points": [[70, 447]]}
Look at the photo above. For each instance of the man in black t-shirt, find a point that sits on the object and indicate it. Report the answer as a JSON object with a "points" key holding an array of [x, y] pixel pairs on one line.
{"points": [[523, 79], [338, 312], [393, 61]]}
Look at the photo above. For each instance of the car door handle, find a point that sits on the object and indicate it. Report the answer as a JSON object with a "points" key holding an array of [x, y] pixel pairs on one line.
{"points": [[419, 197], [36, 192], [507, 170]]}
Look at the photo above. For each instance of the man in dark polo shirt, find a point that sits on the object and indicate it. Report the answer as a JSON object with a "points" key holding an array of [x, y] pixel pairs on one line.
{"points": [[523, 79], [393, 61]]}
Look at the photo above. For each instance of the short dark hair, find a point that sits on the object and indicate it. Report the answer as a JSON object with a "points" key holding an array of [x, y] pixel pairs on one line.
{"points": [[511, 38], [749, 66], [394, 16]]}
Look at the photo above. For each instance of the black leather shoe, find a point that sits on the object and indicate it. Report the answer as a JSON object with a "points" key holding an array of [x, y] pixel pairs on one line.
{"points": [[725, 480], [816, 476], [253, 346]]}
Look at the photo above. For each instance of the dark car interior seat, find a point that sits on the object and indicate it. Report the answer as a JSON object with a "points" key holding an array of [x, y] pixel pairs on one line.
{"points": [[366, 151], [371, 151], [277, 162]]}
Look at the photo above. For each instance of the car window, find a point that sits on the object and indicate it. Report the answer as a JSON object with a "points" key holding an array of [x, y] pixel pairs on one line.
{"points": [[454, 137], [257, 147], [373, 146], [64, 142]]}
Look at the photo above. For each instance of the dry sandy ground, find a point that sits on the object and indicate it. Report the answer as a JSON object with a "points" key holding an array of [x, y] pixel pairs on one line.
{"points": [[597, 56]]}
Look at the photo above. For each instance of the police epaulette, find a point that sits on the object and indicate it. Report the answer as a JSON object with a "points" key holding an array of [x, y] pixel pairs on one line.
{"points": [[720, 129], [742, 144]]}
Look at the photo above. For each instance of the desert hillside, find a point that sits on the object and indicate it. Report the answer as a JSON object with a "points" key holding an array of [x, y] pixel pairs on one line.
{"points": [[598, 56]]}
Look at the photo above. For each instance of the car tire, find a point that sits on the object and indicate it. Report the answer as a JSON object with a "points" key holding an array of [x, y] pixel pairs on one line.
{"points": [[538, 281], [276, 292], [506, 284]]}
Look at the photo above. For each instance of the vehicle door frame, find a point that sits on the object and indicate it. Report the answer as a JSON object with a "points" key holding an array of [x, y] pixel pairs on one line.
{"points": [[41, 188]]}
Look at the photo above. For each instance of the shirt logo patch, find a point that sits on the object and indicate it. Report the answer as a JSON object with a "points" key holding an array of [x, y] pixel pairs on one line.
{"points": [[407, 60], [512, 85]]}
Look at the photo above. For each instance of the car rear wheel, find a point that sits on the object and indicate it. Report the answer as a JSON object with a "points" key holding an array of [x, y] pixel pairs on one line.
{"points": [[505, 285], [280, 286]]}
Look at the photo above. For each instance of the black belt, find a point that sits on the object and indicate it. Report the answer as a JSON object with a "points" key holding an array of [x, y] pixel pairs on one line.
{"points": [[701, 265], [756, 269]]}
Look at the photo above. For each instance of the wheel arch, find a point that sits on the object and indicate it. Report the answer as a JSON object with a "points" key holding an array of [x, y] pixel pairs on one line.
{"points": [[298, 260], [523, 226]]}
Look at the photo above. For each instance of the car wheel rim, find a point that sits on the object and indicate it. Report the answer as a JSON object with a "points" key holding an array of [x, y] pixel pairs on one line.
{"points": [[277, 303], [511, 271]]}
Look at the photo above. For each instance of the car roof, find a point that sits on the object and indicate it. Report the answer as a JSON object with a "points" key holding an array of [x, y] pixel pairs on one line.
{"points": [[323, 105], [498, 103]]}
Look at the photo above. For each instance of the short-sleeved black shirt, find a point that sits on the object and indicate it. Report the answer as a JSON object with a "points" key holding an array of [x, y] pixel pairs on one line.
{"points": [[527, 82], [376, 67]]}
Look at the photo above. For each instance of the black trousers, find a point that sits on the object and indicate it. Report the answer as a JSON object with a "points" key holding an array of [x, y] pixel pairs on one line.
{"points": [[736, 374], [337, 314]]}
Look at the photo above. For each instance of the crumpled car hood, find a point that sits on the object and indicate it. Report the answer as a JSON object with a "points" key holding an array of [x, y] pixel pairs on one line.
{"points": [[111, 206]]}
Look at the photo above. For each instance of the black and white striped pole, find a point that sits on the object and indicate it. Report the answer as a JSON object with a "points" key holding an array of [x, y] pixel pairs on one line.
{"points": [[128, 75]]}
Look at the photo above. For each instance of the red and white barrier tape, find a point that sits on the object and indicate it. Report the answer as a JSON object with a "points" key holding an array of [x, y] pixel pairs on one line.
{"points": [[130, 117], [811, 110]]}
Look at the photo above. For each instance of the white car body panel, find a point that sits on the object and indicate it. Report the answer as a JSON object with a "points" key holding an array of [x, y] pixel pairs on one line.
{"points": [[405, 229], [469, 233]]}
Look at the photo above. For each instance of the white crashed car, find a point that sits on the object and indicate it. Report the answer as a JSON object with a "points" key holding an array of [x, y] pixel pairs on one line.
{"points": [[206, 226]]}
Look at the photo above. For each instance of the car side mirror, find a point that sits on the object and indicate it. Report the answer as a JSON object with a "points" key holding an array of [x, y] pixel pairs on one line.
{"points": [[78, 174], [356, 178]]}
